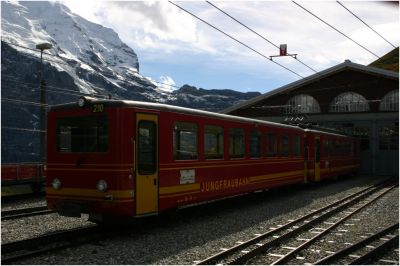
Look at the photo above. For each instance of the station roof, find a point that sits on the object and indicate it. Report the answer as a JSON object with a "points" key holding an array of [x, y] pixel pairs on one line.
{"points": [[345, 66]]}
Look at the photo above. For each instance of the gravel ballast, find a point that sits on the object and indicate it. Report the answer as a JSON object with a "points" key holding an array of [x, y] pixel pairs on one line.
{"points": [[198, 232], [23, 203]]}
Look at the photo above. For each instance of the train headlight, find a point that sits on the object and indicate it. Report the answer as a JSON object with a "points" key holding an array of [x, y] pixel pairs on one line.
{"points": [[81, 101], [56, 183], [102, 185]]}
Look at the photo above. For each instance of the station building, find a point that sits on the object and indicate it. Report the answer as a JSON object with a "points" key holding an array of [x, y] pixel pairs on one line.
{"points": [[360, 100]]}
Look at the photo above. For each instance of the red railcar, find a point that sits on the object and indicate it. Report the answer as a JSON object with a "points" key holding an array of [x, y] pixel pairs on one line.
{"points": [[125, 158], [330, 154], [32, 174]]}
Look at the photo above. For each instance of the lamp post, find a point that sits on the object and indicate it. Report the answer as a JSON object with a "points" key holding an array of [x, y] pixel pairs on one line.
{"points": [[42, 121]]}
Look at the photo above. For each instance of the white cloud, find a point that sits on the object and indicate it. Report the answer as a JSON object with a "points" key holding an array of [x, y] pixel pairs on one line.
{"points": [[152, 25], [160, 32], [160, 25], [167, 83]]}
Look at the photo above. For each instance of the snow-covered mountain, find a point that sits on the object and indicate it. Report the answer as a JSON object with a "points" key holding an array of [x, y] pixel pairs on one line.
{"points": [[86, 58], [90, 53]]}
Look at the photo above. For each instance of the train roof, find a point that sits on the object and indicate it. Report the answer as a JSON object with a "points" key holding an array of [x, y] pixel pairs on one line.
{"points": [[326, 132], [171, 108], [184, 110]]}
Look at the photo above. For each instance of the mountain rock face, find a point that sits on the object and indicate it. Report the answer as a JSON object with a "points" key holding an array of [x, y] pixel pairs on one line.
{"points": [[389, 61], [210, 100], [85, 59]]}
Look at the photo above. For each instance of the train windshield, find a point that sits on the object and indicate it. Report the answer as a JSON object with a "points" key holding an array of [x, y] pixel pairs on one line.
{"points": [[82, 134]]}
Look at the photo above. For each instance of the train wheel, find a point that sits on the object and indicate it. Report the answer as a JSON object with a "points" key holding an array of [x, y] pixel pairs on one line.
{"points": [[36, 187], [170, 215], [111, 221]]}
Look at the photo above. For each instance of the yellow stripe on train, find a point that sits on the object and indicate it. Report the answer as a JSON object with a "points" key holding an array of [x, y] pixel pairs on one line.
{"points": [[116, 194]]}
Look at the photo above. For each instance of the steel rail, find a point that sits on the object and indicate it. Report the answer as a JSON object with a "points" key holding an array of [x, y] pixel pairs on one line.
{"points": [[290, 255], [261, 248], [343, 252], [227, 252], [58, 240], [372, 254], [26, 212]]}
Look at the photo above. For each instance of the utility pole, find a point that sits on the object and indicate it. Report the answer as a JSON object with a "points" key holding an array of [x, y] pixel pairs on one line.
{"points": [[42, 121]]}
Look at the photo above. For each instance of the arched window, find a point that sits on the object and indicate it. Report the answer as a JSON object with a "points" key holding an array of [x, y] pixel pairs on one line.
{"points": [[302, 104], [390, 102], [349, 102]]}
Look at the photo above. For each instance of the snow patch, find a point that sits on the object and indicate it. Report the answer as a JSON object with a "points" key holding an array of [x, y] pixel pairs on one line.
{"points": [[166, 84]]}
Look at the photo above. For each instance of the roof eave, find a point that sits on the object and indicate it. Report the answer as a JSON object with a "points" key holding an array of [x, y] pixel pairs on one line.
{"points": [[291, 86]]}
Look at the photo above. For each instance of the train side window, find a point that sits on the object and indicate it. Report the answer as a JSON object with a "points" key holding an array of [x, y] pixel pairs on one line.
{"points": [[332, 148], [236, 143], [147, 147], [337, 148], [213, 142], [255, 144], [271, 144], [317, 150], [82, 134], [326, 148], [346, 148], [296, 146], [305, 146], [284, 146], [185, 141]]}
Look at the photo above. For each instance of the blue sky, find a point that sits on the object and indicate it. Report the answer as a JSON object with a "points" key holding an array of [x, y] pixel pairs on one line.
{"points": [[174, 47]]}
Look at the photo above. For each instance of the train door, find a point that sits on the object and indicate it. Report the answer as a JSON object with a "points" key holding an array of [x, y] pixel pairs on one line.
{"points": [[146, 164], [305, 146], [317, 155]]}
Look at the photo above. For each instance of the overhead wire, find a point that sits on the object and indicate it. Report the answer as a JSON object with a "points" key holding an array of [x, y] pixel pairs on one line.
{"points": [[48, 87], [13, 79], [259, 35], [37, 104], [73, 92], [23, 102], [36, 50], [57, 90], [46, 59], [24, 129], [365, 23], [61, 90], [92, 86], [25, 47], [233, 38], [172, 85], [326, 23], [65, 91]]}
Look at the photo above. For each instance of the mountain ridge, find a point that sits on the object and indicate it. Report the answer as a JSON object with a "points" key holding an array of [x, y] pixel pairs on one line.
{"points": [[86, 58]]}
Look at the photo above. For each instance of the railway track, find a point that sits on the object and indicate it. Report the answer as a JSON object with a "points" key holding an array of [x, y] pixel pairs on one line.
{"points": [[22, 249], [374, 245], [283, 244], [25, 212]]}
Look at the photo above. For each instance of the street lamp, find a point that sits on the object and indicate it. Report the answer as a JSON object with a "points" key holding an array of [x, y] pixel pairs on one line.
{"points": [[42, 47]]}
